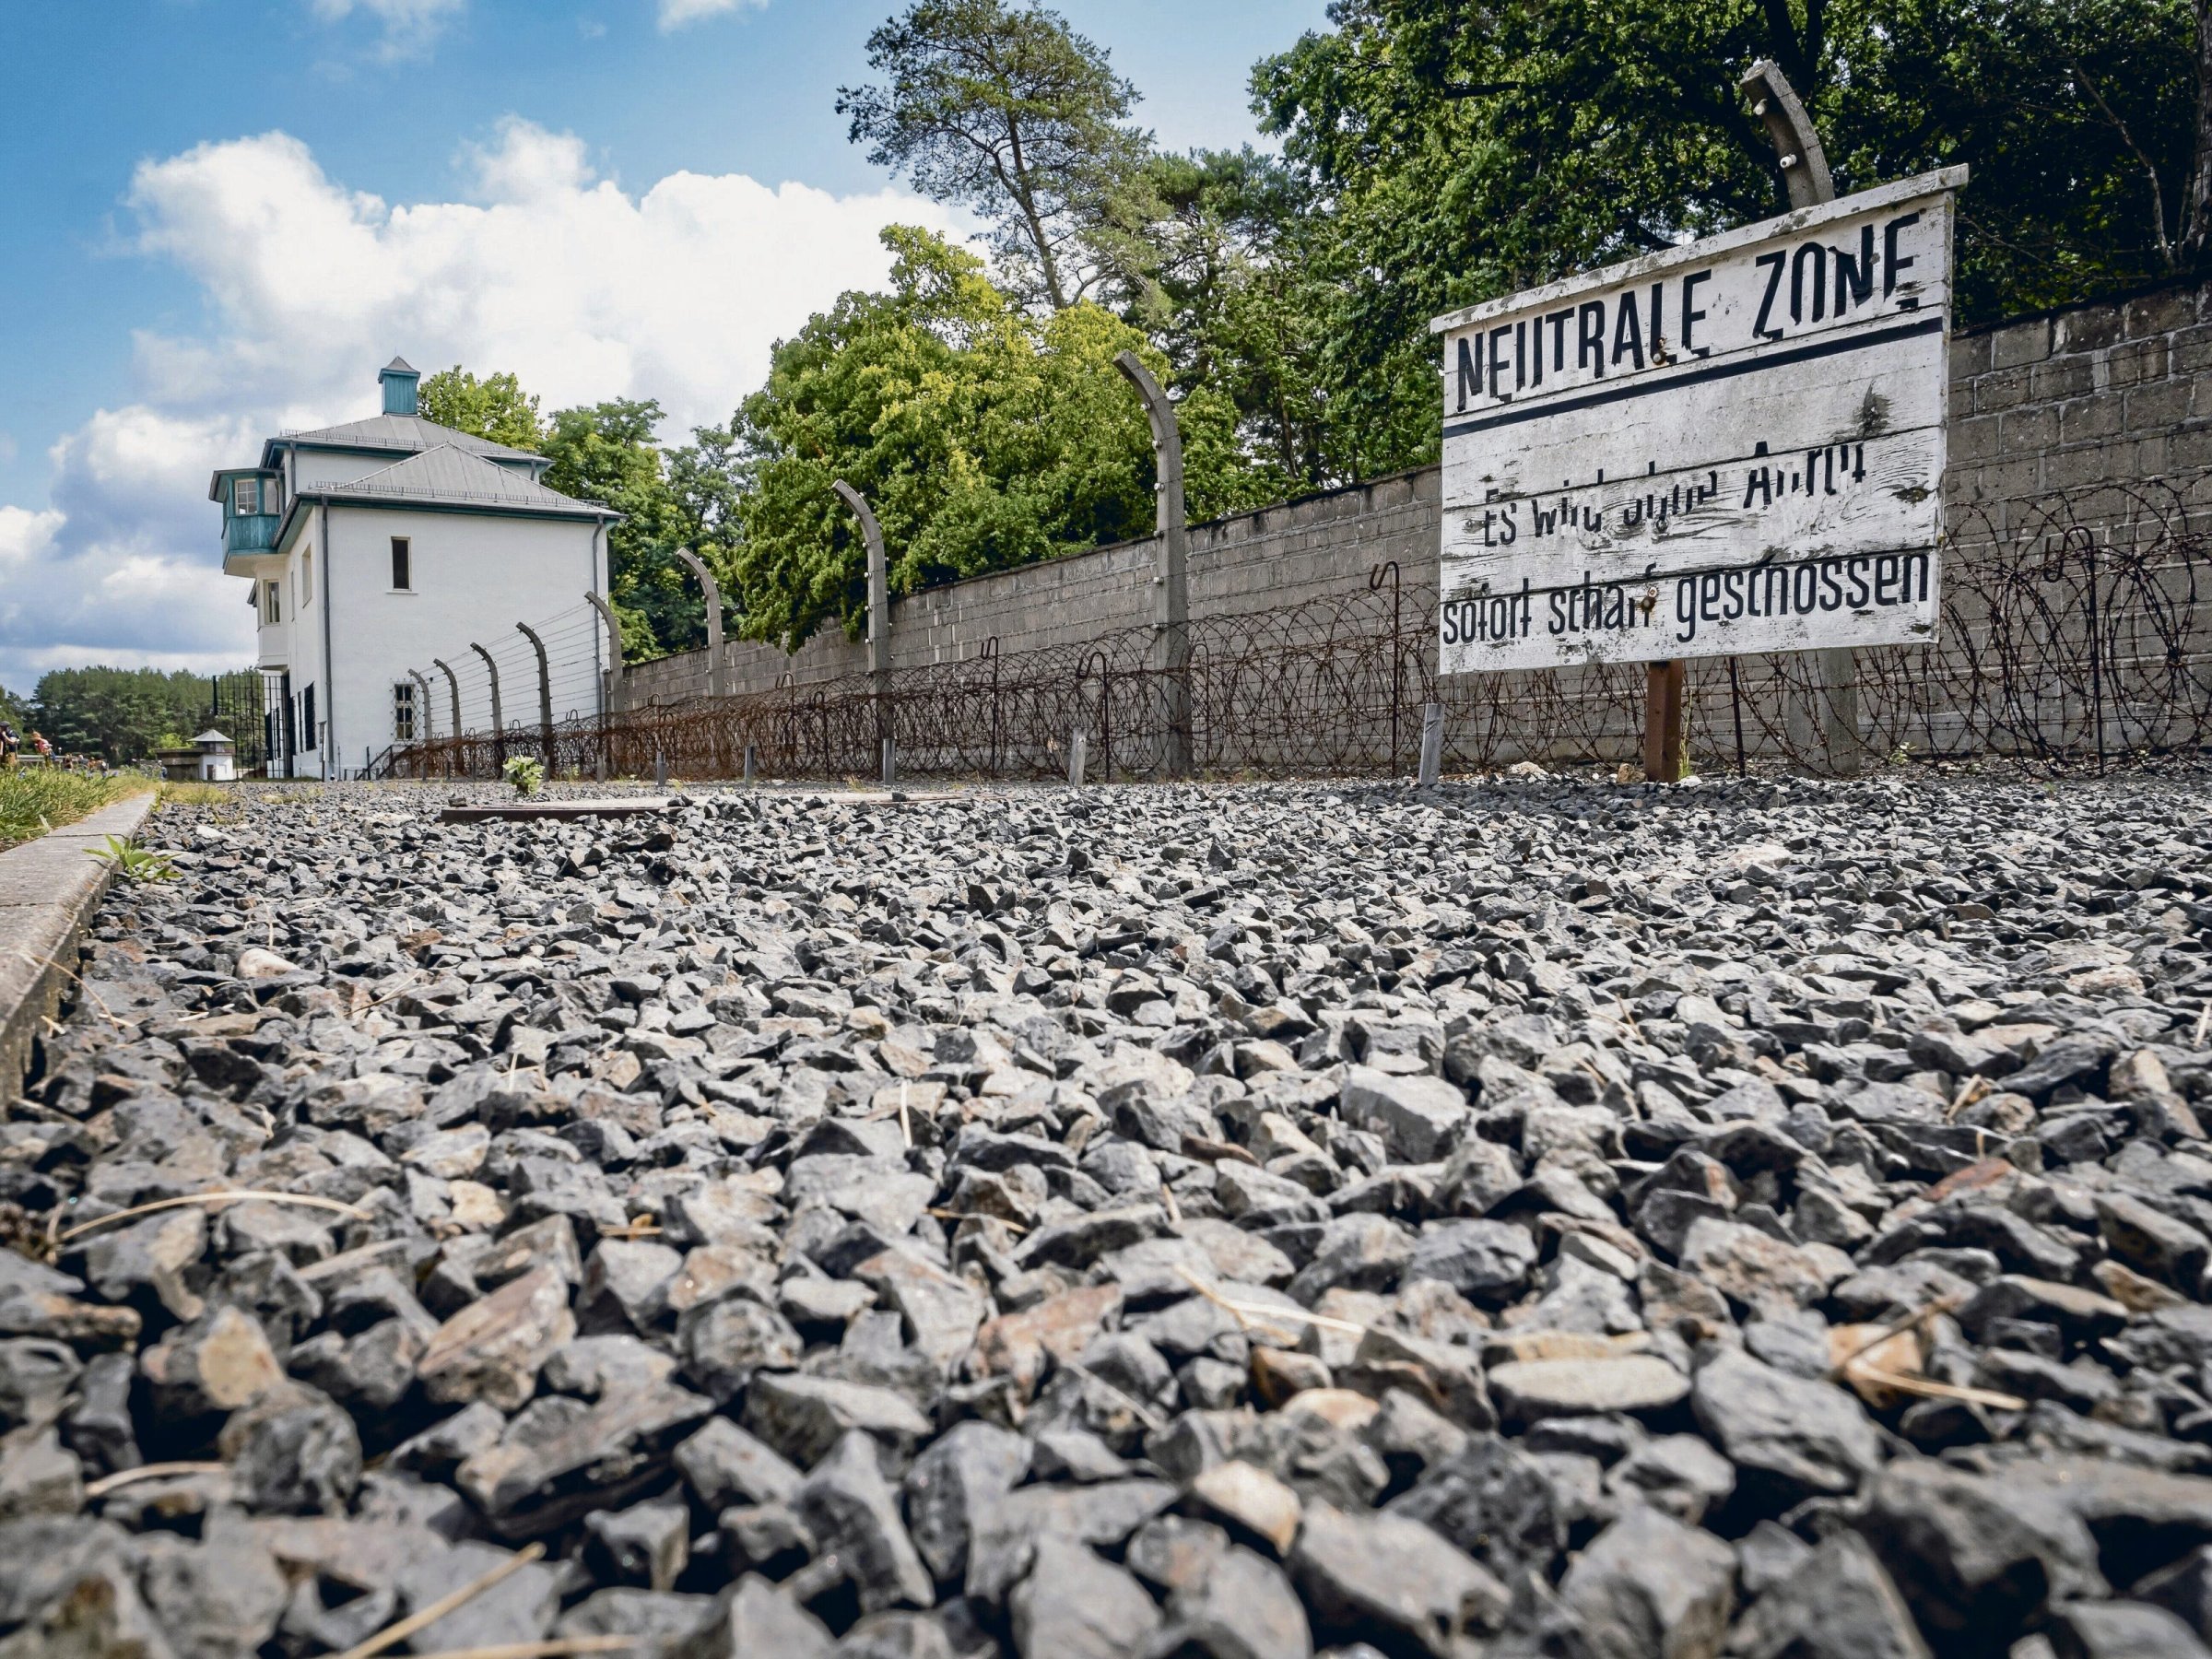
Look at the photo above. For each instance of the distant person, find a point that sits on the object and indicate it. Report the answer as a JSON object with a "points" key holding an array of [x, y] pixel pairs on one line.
{"points": [[9, 744], [40, 747]]}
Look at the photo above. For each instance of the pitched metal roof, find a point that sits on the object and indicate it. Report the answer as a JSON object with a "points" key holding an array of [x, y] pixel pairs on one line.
{"points": [[401, 433], [450, 476]]}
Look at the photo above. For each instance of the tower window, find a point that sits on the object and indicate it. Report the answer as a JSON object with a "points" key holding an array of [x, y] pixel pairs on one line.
{"points": [[272, 603], [245, 495], [403, 565], [403, 711]]}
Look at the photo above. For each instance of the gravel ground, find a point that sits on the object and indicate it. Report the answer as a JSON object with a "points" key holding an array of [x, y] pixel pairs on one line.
{"points": [[1537, 1217]]}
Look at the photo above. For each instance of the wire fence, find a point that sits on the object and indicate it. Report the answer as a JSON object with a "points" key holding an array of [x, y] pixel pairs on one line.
{"points": [[2077, 630]]}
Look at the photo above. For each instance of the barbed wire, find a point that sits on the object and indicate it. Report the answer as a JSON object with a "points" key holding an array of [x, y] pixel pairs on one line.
{"points": [[2074, 628]]}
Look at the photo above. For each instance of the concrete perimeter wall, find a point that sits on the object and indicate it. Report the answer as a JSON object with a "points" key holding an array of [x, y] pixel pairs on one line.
{"points": [[2042, 407]]}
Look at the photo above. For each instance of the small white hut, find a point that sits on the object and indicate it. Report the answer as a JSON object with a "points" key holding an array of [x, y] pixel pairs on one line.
{"points": [[216, 760]]}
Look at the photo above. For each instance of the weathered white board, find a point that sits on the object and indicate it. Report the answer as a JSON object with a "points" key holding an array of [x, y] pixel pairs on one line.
{"points": [[1736, 445]]}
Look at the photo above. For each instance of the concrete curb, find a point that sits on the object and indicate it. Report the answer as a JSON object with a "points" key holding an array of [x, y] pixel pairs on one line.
{"points": [[49, 889]]}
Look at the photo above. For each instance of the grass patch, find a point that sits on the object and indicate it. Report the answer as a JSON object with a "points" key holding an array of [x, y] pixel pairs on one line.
{"points": [[34, 799], [198, 794]]}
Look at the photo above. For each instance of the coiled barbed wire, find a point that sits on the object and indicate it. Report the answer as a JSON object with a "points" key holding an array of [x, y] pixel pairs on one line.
{"points": [[2078, 626]]}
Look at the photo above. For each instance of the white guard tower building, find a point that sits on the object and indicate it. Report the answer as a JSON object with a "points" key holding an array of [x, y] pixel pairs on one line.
{"points": [[375, 546]]}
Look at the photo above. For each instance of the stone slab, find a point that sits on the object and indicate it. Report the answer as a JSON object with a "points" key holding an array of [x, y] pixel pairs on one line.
{"points": [[49, 889], [631, 806]]}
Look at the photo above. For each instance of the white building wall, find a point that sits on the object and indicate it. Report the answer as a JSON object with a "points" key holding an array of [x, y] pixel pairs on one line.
{"points": [[475, 576], [305, 572]]}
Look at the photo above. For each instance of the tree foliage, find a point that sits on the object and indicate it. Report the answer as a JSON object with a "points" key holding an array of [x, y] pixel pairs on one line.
{"points": [[1006, 111], [608, 453], [495, 407], [983, 434], [121, 715], [1451, 153]]}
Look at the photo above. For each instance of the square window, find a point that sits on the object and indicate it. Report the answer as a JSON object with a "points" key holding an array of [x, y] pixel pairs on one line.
{"points": [[245, 495]]}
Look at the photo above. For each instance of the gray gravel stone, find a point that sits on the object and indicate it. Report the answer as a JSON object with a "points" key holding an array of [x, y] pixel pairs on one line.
{"points": [[1649, 1584], [1248, 1153], [1072, 1604]]}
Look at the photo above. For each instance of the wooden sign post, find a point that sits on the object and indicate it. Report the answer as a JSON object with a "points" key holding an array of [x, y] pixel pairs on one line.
{"points": [[1804, 164], [1666, 747]]}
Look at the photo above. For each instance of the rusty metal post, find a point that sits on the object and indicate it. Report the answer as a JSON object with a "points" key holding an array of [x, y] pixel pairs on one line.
{"points": [[499, 725], [545, 694], [1828, 721], [1666, 756], [879, 607], [718, 673], [1170, 582]]}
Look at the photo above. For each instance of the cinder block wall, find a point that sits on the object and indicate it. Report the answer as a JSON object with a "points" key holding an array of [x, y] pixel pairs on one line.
{"points": [[2054, 406], [2063, 403]]}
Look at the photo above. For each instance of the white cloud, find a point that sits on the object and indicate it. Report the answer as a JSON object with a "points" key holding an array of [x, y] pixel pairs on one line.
{"points": [[583, 288], [676, 14], [410, 27]]}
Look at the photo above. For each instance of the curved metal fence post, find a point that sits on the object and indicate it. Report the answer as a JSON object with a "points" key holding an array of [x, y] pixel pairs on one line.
{"points": [[429, 720], [718, 673], [616, 669], [1171, 599], [1803, 162], [499, 725], [545, 695], [879, 607], [990, 650], [1829, 723], [1388, 570], [616, 699], [453, 689]]}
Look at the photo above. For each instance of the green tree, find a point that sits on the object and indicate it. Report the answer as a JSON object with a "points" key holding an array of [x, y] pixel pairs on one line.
{"points": [[983, 435], [122, 714], [1452, 154], [605, 453], [495, 407], [2085, 122], [1207, 253], [707, 480], [1005, 109]]}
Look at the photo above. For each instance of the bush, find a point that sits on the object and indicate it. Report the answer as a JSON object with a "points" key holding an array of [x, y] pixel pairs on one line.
{"points": [[525, 774]]}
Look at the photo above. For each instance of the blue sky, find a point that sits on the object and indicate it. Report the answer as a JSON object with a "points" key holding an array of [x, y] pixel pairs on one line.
{"points": [[223, 215]]}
